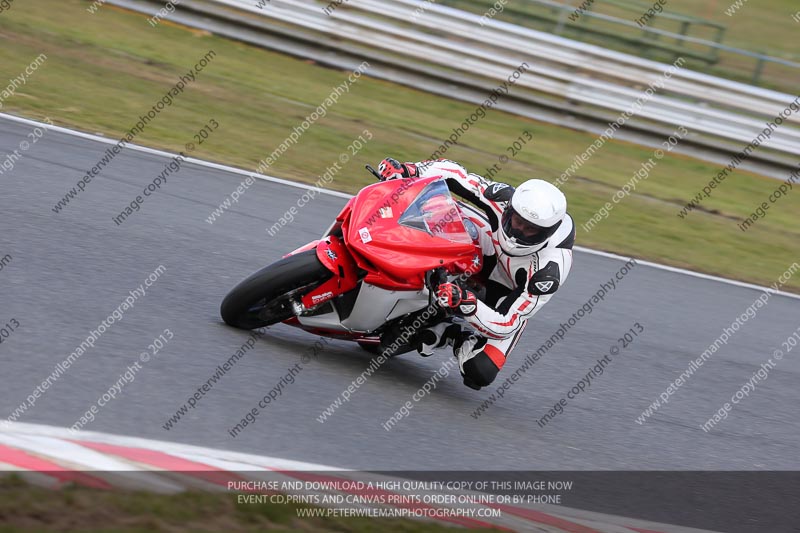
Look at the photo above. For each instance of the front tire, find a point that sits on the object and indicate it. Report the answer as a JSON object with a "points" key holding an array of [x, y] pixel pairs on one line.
{"points": [[264, 298]]}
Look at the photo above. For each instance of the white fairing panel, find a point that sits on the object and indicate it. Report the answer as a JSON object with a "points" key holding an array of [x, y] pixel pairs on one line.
{"points": [[375, 306], [411, 301], [326, 321]]}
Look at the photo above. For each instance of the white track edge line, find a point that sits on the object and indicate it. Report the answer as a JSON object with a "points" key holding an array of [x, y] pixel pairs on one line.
{"points": [[273, 179], [216, 456], [258, 461]]}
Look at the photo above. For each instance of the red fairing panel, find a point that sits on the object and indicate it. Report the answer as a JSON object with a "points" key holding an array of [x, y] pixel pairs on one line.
{"points": [[397, 256], [334, 255]]}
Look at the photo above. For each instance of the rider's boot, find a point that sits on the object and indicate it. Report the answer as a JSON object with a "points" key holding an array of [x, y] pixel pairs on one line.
{"points": [[442, 334]]}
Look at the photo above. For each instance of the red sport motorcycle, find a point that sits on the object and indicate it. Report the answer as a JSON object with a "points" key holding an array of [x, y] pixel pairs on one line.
{"points": [[373, 271]]}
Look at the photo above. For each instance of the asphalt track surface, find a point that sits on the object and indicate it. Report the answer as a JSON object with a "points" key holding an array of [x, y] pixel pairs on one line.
{"points": [[72, 269]]}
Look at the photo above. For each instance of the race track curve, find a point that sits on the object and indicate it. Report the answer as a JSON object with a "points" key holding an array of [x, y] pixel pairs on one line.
{"points": [[70, 270]]}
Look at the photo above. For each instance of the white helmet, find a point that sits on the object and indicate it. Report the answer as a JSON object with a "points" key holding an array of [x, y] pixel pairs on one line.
{"points": [[533, 215]]}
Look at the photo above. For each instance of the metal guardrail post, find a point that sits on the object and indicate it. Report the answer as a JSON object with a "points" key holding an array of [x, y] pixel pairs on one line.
{"points": [[758, 70], [683, 31], [562, 15]]}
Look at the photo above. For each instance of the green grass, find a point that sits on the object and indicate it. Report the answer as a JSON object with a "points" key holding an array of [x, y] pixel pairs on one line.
{"points": [[28, 508], [759, 25], [104, 70], [764, 26]]}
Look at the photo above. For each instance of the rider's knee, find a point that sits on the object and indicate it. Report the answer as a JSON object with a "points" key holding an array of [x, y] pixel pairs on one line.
{"points": [[479, 371]]}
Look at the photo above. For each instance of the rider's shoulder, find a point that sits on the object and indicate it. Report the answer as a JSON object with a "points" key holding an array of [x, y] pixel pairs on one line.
{"points": [[498, 192]]}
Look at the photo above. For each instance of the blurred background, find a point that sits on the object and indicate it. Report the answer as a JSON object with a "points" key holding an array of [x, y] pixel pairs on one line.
{"points": [[430, 64]]}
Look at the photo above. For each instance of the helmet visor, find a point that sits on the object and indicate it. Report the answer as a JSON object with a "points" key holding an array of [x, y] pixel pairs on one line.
{"points": [[523, 231]]}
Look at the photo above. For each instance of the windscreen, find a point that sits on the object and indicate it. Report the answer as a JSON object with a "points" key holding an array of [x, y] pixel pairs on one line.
{"points": [[435, 212]]}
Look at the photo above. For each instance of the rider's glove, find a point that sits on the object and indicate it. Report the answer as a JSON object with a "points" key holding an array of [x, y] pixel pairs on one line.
{"points": [[390, 169], [459, 301]]}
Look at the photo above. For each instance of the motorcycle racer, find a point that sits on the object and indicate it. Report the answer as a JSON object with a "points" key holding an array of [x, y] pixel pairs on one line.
{"points": [[526, 238]]}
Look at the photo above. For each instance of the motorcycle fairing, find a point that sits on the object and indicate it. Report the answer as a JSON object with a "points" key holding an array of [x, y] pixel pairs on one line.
{"points": [[396, 255], [378, 274], [333, 254]]}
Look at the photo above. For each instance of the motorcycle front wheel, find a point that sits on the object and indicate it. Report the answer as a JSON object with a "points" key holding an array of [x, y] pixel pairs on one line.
{"points": [[265, 297]]}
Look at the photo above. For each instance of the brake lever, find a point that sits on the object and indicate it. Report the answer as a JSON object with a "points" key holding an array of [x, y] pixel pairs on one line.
{"points": [[374, 172]]}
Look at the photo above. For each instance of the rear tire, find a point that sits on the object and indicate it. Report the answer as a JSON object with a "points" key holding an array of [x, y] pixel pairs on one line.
{"points": [[264, 298]]}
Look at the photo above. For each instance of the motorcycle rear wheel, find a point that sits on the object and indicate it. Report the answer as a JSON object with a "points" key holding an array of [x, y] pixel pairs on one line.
{"points": [[265, 297]]}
